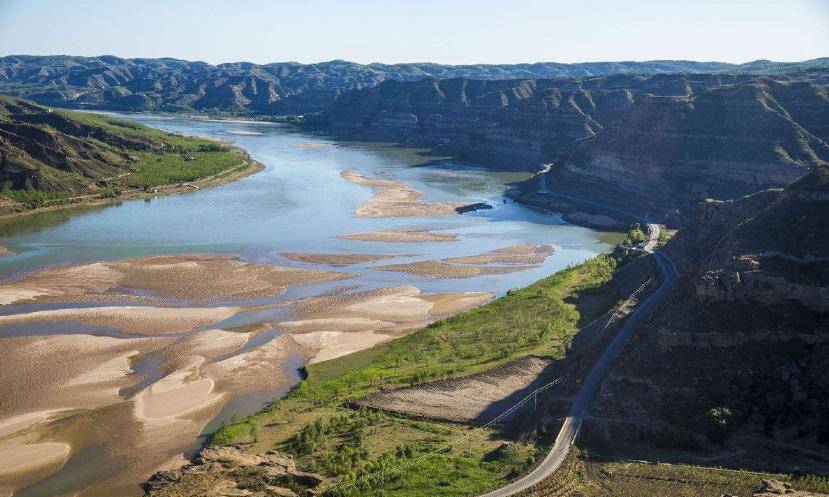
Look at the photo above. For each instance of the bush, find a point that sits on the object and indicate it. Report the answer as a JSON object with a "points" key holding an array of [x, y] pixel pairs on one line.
{"points": [[720, 423], [635, 235]]}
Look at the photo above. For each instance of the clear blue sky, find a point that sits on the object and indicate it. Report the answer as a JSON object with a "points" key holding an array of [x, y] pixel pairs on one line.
{"points": [[447, 31]]}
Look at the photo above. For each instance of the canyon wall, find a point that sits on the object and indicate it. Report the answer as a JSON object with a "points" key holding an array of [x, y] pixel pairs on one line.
{"points": [[740, 346]]}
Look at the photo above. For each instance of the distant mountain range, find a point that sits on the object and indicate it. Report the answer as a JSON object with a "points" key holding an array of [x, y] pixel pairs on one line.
{"points": [[172, 85]]}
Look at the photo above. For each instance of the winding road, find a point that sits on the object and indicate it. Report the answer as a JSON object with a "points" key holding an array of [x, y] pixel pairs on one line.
{"points": [[570, 428]]}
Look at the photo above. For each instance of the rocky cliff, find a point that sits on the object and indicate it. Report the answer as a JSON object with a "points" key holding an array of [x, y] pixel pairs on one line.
{"points": [[740, 346], [230, 472], [279, 88], [518, 123]]}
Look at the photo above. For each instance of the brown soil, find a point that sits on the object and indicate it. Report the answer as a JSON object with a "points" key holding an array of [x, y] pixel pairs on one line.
{"points": [[463, 399]]}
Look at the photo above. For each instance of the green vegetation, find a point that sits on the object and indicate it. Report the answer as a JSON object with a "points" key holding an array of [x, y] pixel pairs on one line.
{"points": [[244, 430], [720, 423], [665, 235], [635, 235], [153, 170], [351, 446], [34, 198]]}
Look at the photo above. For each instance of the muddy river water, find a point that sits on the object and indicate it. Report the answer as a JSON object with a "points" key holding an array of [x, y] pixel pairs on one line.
{"points": [[111, 367]]}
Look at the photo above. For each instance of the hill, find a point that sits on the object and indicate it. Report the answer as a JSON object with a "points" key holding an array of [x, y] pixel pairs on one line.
{"points": [[50, 157], [172, 85]]}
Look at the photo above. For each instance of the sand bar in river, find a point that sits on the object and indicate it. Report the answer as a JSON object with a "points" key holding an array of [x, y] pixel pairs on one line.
{"points": [[335, 259], [394, 198], [193, 277], [401, 236]]}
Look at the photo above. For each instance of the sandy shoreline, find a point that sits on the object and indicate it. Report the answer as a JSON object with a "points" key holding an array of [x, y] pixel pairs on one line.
{"points": [[331, 326], [509, 259], [515, 254]]}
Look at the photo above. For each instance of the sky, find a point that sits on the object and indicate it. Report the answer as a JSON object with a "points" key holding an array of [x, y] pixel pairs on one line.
{"points": [[443, 31]]}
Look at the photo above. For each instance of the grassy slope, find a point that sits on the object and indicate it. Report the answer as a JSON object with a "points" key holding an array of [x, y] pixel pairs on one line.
{"points": [[142, 158], [183, 158], [312, 423]]}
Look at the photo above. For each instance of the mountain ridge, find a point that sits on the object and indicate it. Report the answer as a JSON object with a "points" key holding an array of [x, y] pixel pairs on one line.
{"points": [[177, 85]]}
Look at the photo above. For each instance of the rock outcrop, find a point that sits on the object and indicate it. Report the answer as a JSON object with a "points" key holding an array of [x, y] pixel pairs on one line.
{"points": [[773, 488], [228, 471]]}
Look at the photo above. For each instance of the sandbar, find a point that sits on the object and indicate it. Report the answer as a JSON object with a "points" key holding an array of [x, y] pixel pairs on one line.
{"points": [[25, 458], [515, 254], [131, 319], [402, 236], [193, 277], [394, 198], [335, 259], [440, 270]]}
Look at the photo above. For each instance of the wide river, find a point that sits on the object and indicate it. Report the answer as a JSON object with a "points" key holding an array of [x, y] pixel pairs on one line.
{"points": [[298, 203]]}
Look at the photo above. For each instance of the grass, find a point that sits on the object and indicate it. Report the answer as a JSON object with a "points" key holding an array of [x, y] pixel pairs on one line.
{"points": [[153, 169], [180, 159], [34, 198], [314, 423]]}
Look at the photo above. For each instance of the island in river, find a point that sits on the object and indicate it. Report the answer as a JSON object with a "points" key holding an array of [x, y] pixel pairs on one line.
{"points": [[130, 331]]}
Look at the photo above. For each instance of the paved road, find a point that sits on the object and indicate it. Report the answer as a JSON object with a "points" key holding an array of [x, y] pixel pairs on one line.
{"points": [[570, 428]]}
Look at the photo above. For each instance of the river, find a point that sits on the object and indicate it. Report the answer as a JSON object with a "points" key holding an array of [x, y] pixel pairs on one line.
{"points": [[298, 203]]}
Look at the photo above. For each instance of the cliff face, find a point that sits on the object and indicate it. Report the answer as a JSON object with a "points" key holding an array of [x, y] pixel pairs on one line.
{"points": [[279, 88], [719, 142], [746, 328]]}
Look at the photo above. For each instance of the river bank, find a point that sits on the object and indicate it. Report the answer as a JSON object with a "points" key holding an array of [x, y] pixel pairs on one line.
{"points": [[247, 167]]}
